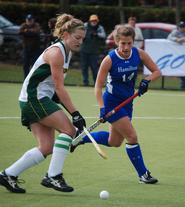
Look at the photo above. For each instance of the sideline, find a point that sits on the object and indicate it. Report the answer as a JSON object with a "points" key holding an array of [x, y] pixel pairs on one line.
{"points": [[95, 117], [151, 92]]}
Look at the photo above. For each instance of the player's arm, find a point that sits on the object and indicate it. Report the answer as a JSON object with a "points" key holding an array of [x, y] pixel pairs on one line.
{"points": [[152, 67], [55, 59], [101, 77], [155, 72]]}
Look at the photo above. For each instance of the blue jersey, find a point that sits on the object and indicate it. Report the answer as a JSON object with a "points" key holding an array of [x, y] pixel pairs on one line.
{"points": [[120, 83], [123, 73]]}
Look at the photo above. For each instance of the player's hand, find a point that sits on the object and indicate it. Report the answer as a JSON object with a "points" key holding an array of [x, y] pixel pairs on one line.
{"points": [[143, 87], [78, 120], [103, 114]]}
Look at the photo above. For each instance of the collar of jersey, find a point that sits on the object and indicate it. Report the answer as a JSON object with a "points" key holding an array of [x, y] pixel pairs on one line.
{"points": [[122, 57]]}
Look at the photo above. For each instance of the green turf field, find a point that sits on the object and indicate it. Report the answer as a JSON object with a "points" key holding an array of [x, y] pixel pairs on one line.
{"points": [[159, 118]]}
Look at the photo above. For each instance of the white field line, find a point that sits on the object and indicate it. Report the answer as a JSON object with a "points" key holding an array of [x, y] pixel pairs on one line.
{"points": [[180, 94], [95, 117], [10, 117], [156, 93]]}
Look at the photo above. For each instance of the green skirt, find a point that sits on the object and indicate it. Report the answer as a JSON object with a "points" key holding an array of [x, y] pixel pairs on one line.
{"points": [[35, 110]]}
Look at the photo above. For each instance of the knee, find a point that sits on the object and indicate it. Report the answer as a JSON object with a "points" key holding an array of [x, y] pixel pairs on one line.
{"points": [[115, 144], [132, 138], [71, 131], [46, 150]]}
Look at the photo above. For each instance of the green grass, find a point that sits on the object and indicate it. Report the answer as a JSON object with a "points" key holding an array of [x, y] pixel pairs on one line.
{"points": [[11, 73], [159, 119], [14, 73]]}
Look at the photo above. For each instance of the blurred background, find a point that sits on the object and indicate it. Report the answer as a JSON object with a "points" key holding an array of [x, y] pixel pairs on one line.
{"points": [[150, 14]]}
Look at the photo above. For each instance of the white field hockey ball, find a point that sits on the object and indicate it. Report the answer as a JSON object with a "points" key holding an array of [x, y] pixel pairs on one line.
{"points": [[104, 194]]}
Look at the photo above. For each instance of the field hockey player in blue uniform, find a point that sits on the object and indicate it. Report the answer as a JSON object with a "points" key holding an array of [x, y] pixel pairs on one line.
{"points": [[119, 69]]}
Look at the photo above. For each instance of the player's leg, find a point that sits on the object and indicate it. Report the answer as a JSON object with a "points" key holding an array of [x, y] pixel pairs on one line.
{"points": [[115, 138], [52, 116], [101, 137], [45, 137], [54, 177], [124, 127]]}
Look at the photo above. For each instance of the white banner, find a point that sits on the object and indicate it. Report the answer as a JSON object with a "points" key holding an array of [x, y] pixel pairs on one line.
{"points": [[168, 55]]}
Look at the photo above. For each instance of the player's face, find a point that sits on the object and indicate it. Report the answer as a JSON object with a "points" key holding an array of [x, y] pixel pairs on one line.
{"points": [[125, 45], [75, 40]]}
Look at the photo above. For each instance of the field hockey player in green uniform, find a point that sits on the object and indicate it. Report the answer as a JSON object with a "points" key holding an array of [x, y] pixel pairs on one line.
{"points": [[42, 115]]}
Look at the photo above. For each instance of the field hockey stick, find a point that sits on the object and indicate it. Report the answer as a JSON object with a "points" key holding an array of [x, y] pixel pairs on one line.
{"points": [[101, 120], [97, 147]]}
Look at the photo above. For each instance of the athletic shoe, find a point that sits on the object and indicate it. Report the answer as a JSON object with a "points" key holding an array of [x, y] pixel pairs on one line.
{"points": [[147, 178], [73, 147], [57, 182], [10, 183]]}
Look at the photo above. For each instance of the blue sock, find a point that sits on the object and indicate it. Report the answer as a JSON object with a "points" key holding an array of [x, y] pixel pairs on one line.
{"points": [[101, 137], [135, 156]]}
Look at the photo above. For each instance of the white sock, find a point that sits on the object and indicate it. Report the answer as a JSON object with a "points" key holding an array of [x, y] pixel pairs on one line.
{"points": [[29, 159], [60, 152]]}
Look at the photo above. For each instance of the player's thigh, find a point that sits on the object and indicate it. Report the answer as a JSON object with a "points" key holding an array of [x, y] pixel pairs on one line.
{"points": [[35, 110], [126, 129], [59, 121]]}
